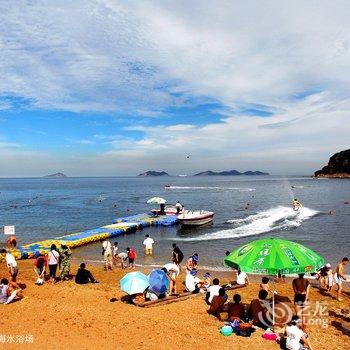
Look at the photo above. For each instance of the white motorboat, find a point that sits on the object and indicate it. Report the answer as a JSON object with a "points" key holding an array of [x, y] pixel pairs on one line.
{"points": [[195, 217]]}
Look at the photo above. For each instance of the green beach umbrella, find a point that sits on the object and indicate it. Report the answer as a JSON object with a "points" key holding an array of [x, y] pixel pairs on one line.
{"points": [[156, 200], [271, 256]]}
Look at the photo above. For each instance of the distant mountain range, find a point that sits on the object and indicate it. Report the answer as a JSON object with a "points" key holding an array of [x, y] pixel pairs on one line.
{"points": [[206, 173], [229, 173], [56, 175], [154, 173]]}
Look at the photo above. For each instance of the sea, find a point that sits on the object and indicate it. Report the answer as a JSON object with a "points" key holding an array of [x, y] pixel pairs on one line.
{"points": [[246, 208]]}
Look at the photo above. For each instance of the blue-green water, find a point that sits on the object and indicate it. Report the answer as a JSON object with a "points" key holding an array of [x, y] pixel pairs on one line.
{"points": [[46, 208]]}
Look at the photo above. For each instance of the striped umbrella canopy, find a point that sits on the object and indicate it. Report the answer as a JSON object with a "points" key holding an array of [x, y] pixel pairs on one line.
{"points": [[271, 256], [156, 200]]}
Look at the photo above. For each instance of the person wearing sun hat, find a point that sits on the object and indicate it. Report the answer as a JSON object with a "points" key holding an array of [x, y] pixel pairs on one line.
{"points": [[192, 263]]}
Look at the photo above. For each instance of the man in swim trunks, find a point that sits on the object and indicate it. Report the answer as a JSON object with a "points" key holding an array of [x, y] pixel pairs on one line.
{"points": [[339, 276], [301, 287]]}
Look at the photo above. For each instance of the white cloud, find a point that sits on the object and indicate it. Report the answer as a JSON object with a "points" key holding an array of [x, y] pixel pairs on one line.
{"points": [[140, 58]]}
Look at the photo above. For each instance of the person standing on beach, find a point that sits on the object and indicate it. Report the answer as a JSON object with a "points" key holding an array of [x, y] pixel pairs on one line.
{"points": [[122, 257], [115, 253], [132, 257], [339, 276], [11, 265], [53, 261], [177, 255], [107, 254], [301, 287], [172, 271], [65, 263], [148, 245]]}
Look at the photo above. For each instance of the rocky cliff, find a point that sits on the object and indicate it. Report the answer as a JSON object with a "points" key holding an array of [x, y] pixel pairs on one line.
{"points": [[338, 166]]}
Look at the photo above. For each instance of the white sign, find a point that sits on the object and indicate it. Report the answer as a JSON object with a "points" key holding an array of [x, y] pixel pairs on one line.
{"points": [[9, 230]]}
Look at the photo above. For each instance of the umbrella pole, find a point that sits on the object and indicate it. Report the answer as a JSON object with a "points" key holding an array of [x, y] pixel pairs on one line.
{"points": [[273, 305]]}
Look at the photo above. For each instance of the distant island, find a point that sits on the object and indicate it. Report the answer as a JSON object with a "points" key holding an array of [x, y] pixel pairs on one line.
{"points": [[229, 173], [338, 166], [55, 175], [154, 173]]}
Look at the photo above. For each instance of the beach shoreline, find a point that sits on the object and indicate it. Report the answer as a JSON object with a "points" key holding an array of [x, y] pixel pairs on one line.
{"points": [[67, 315]]}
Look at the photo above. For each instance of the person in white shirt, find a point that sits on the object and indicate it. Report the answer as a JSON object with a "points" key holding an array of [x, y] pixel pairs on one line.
{"points": [[148, 245], [107, 254], [213, 290], [296, 339], [192, 282], [242, 277], [11, 265], [172, 271], [178, 207], [53, 259]]}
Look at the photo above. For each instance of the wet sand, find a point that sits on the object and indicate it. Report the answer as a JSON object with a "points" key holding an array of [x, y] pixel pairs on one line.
{"points": [[66, 315]]}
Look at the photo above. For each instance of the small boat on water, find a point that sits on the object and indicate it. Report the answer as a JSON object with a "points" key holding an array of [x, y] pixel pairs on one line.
{"points": [[167, 186], [195, 217]]}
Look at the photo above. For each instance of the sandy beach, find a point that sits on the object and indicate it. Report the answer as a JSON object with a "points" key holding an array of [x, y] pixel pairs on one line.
{"points": [[67, 315]]}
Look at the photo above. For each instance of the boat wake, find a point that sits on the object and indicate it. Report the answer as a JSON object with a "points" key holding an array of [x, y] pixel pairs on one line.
{"points": [[277, 218], [242, 189]]}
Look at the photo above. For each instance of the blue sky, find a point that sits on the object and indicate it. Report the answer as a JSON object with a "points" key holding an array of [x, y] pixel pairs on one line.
{"points": [[117, 88]]}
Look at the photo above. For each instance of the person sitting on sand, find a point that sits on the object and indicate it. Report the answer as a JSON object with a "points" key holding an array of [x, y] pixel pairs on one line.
{"points": [[172, 271], [212, 291], [265, 284], [84, 276], [206, 280], [138, 298], [236, 309], [258, 309], [11, 265], [218, 304], [40, 264], [242, 278], [122, 258], [192, 282], [295, 338], [339, 276], [191, 263], [9, 291], [301, 287]]}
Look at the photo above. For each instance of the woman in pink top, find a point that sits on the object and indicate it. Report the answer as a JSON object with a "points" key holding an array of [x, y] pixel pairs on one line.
{"points": [[53, 261]]}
